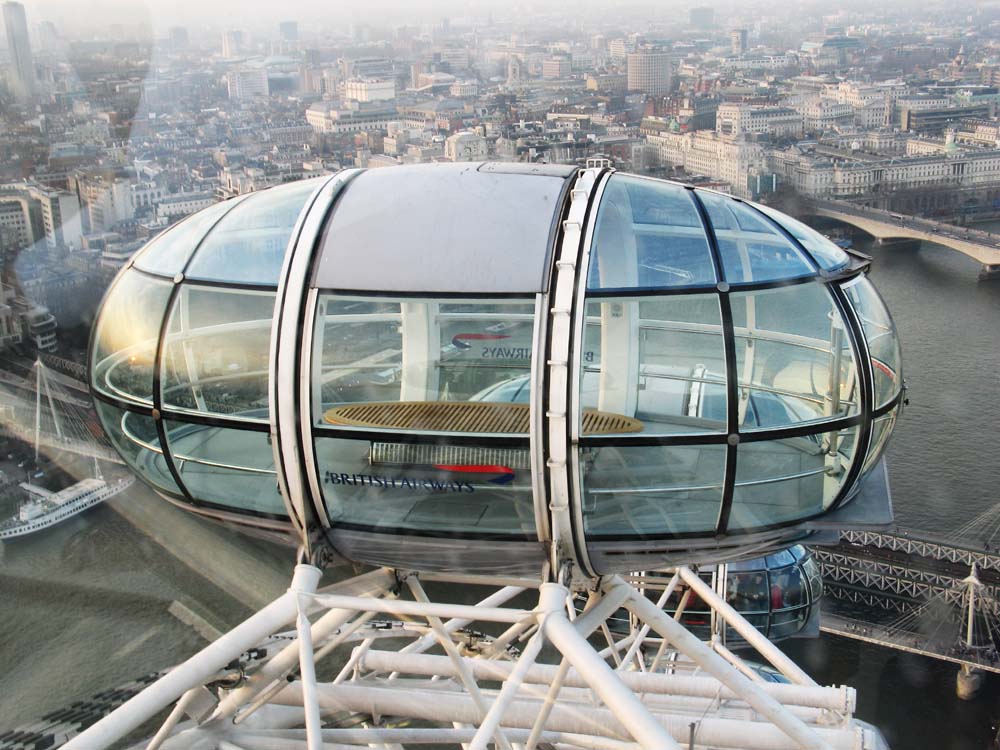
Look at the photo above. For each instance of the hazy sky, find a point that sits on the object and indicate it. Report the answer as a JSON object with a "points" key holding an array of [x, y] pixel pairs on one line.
{"points": [[81, 15], [73, 17], [244, 13]]}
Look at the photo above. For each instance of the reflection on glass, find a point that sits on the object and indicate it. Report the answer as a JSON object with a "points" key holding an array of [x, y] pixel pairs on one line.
{"points": [[881, 431], [127, 335], [248, 244], [426, 365], [826, 253], [134, 437], [642, 490], [793, 357], [778, 594], [357, 354], [752, 249], [234, 468], [648, 234], [438, 489], [784, 480], [215, 357], [660, 360], [168, 253], [880, 332]]}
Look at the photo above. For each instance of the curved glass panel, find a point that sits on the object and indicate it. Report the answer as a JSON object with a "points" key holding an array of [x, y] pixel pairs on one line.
{"points": [[881, 432], [234, 468], [658, 360], [438, 489], [215, 357], [777, 599], [248, 245], [648, 235], [783, 480], [134, 437], [169, 252], [883, 342], [752, 249], [127, 334], [643, 490], [793, 357], [423, 365], [824, 251]]}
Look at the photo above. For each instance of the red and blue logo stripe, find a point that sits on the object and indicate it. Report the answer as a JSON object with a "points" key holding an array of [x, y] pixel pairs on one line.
{"points": [[504, 474]]}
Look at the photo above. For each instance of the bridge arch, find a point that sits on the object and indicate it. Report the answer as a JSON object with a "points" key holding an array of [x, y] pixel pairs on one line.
{"points": [[982, 247]]}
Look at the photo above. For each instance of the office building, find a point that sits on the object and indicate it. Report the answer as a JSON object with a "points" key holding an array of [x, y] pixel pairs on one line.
{"points": [[738, 41], [232, 43], [247, 83], [649, 72], [22, 68]]}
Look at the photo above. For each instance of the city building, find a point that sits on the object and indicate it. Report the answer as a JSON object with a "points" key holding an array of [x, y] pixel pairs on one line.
{"points": [[248, 83], [557, 67], [619, 49], [738, 120], [36, 214], [175, 206], [232, 44], [738, 41], [464, 89], [607, 83], [327, 119], [465, 146], [106, 200], [22, 66], [817, 174], [936, 119], [820, 115], [753, 61], [289, 31], [649, 71], [704, 152], [370, 89]]}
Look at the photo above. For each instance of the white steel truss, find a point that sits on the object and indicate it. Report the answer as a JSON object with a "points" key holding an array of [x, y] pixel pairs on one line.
{"points": [[927, 544], [375, 662]]}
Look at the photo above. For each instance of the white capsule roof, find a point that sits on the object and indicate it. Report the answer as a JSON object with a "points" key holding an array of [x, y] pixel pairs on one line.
{"points": [[487, 367]]}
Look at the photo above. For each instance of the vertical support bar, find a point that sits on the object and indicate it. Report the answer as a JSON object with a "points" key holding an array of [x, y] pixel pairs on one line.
{"points": [[38, 405], [307, 672], [603, 680], [644, 630], [768, 650], [449, 647], [702, 655], [507, 694], [546, 709]]}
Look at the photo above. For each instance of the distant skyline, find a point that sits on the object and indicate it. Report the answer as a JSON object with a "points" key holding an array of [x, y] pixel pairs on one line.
{"points": [[83, 16]]}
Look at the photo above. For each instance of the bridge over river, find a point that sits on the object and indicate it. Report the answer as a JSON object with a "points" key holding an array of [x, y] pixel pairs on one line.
{"points": [[982, 246], [936, 595]]}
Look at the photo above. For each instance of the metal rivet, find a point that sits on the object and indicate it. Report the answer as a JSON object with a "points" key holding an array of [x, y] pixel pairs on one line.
{"points": [[733, 439], [178, 278], [155, 414], [722, 286]]}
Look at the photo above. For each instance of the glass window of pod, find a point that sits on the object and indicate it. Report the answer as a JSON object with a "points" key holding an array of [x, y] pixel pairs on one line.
{"points": [[655, 349], [208, 319], [436, 372]]}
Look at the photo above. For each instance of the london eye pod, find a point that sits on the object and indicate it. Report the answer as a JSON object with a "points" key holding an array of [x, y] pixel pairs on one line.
{"points": [[488, 368]]}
